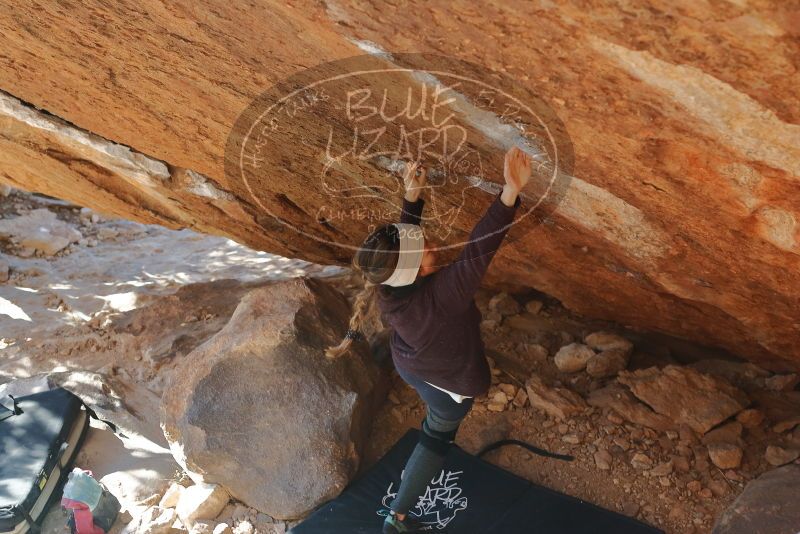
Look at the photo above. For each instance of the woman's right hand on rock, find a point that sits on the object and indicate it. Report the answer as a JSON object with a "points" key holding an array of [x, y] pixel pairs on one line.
{"points": [[517, 169], [414, 184]]}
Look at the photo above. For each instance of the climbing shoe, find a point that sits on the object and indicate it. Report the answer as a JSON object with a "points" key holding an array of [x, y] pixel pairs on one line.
{"points": [[393, 525]]}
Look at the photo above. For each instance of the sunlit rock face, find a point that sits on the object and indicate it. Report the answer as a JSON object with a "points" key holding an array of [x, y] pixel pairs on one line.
{"points": [[667, 197]]}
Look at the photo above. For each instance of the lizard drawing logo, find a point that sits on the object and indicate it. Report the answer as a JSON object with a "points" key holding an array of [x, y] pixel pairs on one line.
{"points": [[438, 506], [420, 131], [322, 153]]}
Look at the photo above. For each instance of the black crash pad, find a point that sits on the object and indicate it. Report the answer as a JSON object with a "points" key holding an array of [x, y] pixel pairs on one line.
{"points": [[36, 444], [469, 496]]}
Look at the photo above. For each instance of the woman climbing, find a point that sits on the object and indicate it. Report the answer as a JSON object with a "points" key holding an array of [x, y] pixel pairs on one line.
{"points": [[436, 343]]}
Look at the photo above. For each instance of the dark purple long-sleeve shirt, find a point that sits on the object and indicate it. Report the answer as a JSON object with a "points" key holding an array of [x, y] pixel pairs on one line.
{"points": [[436, 324]]}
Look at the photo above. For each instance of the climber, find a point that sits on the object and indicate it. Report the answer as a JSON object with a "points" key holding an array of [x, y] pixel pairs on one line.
{"points": [[436, 343]]}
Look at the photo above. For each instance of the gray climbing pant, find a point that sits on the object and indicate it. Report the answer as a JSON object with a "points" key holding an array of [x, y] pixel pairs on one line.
{"points": [[444, 415]]}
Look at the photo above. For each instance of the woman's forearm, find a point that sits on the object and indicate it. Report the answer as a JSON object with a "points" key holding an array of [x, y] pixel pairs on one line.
{"points": [[509, 195], [412, 211], [517, 172], [412, 196], [455, 285], [414, 184]]}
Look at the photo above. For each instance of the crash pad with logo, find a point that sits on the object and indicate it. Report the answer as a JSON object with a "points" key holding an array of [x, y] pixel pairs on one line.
{"points": [[468, 496]]}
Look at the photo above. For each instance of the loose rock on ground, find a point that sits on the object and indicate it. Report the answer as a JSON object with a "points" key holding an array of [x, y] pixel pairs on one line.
{"points": [[573, 357], [686, 396]]}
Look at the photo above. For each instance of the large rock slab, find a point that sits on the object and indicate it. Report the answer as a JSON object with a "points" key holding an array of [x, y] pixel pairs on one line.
{"points": [[40, 230], [147, 109], [621, 400], [561, 403], [744, 375], [768, 505], [686, 396], [260, 410]]}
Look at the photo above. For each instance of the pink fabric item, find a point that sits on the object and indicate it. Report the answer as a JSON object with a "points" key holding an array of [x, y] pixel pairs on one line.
{"points": [[84, 521]]}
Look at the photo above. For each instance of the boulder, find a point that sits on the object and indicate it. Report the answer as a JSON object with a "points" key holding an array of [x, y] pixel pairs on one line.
{"points": [[776, 406], [603, 459], [662, 469], [787, 424], [154, 520], [750, 418], [260, 409], [620, 400], [498, 402], [106, 233], [768, 505], [608, 363], [602, 341], [534, 351], [88, 217], [504, 304], [45, 242], [714, 122], [534, 306], [520, 398], [744, 375], [520, 362], [573, 357], [680, 463], [526, 322], [727, 433], [560, 403], [782, 382], [640, 460], [777, 455], [40, 230], [172, 496], [686, 396], [725, 455], [201, 502]]}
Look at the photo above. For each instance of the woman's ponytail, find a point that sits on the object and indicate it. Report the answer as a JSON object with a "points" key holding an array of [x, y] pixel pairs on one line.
{"points": [[375, 260], [360, 306]]}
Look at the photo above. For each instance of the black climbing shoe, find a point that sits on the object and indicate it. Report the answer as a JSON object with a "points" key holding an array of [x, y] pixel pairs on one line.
{"points": [[393, 525]]}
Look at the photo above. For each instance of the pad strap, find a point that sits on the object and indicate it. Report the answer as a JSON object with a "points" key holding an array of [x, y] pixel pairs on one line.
{"points": [[532, 448]]}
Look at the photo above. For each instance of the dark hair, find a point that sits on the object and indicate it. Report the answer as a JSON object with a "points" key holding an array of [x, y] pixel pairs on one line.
{"points": [[375, 259]]}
